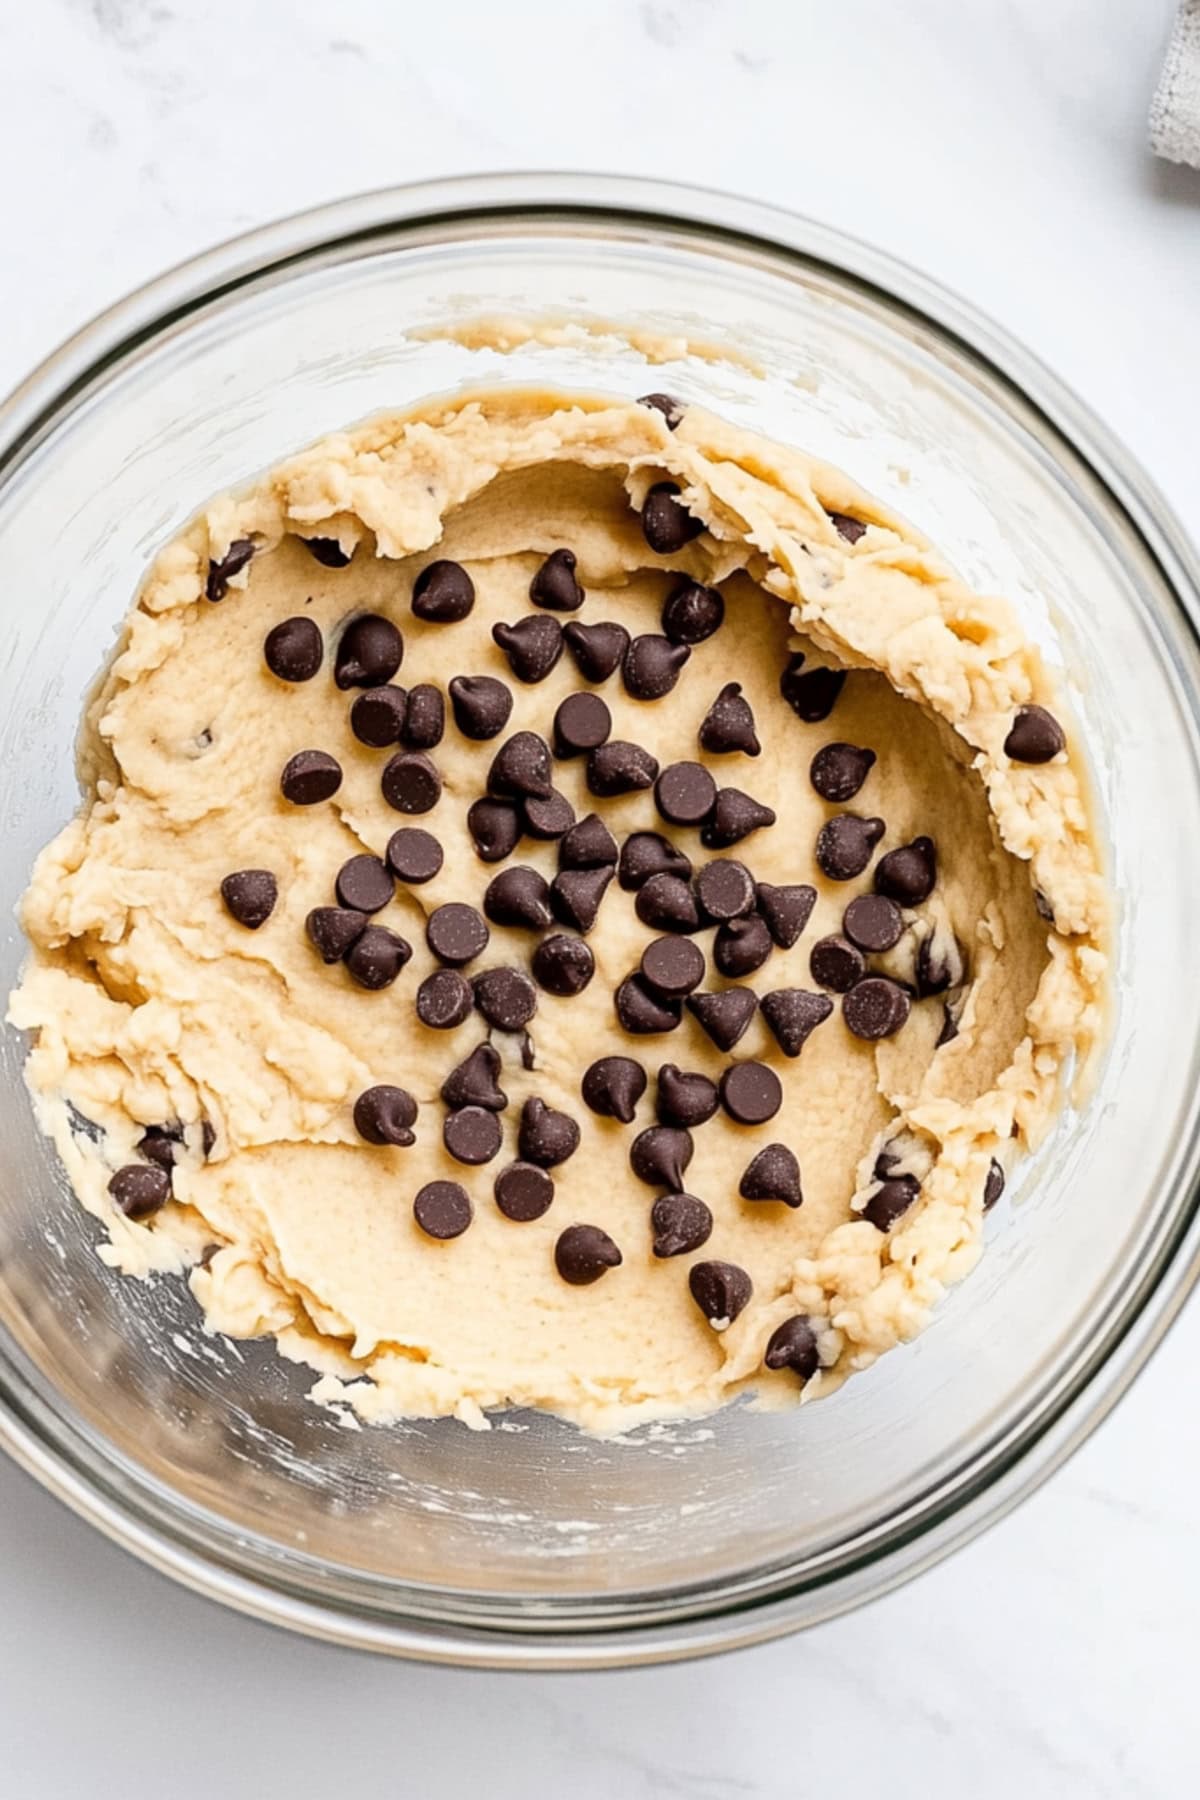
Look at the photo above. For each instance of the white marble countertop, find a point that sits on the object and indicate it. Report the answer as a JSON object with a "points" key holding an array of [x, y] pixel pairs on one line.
{"points": [[998, 144]]}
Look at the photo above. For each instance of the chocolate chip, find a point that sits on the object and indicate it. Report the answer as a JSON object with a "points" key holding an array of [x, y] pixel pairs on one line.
{"points": [[444, 1000], [792, 1015], [725, 890], [741, 946], [646, 853], [471, 1135], [563, 965], [685, 1098], [666, 903], [1044, 909], [811, 696], [518, 896], [774, 1174], [584, 1253], [410, 783], [785, 910], [837, 964], [554, 586], [837, 771], [481, 705], [414, 855], [875, 1008], [793, 1345], [619, 767], [475, 1082], [724, 1016], [751, 1093], [728, 725], [376, 957], [641, 1012], [506, 998], [907, 875], [495, 827], [221, 571], [250, 895], [949, 1030], [332, 930], [521, 767], [548, 818], [660, 1156], [734, 816], [993, 1186], [294, 650], [692, 613], [680, 1224], [874, 923], [581, 723], [588, 845], [385, 1115], [1035, 736], [309, 777], [545, 1136], [721, 1290], [597, 649], [667, 525], [443, 593], [891, 1201], [575, 895], [365, 884], [328, 552], [533, 645], [377, 716], [424, 717], [369, 652], [652, 666], [523, 1192], [846, 525], [456, 933], [161, 1144], [673, 966], [846, 844], [613, 1086], [685, 793], [140, 1189], [443, 1209], [670, 408], [940, 964]]}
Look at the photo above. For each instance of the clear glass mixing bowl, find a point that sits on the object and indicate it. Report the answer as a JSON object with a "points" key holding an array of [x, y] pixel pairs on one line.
{"points": [[532, 1545]]}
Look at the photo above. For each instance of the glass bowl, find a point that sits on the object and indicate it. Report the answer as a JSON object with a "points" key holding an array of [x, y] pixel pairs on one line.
{"points": [[533, 1545]]}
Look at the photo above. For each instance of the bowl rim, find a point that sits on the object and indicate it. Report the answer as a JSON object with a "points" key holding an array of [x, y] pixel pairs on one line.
{"points": [[1075, 1402]]}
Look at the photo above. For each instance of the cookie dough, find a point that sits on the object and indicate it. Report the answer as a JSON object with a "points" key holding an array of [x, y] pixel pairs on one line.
{"points": [[894, 922]]}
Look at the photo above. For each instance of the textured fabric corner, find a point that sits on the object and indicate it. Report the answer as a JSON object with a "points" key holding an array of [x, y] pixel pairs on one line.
{"points": [[1175, 111]]}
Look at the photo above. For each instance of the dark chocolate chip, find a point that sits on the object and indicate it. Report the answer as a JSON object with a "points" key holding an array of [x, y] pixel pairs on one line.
{"points": [[891, 1201], [721, 1290], [582, 722], [410, 783], [646, 853], [619, 767], [424, 717], [751, 1093], [786, 910], [294, 650], [82, 1126], [385, 1115], [667, 525], [523, 1192], [443, 1209], [728, 725], [481, 705], [533, 645], [456, 933], [660, 1156], [475, 1082], [613, 1086], [774, 1174], [692, 613], [518, 896], [161, 1144], [250, 895], [575, 895], [685, 1098], [949, 1030], [444, 1000], [588, 845], [641, 1012], [1035, 736], [792, 1015], [328, 552], [414, 855], [725, 890], [597, 649], [369, 652], [666, 404], [793, 1345], [471, 1135], [874, 923], [521, 767], [222, 570], [680, 1224], [549, 817], [734, 816], [365, 884], [376, 957], [666, 903], [332, 930], [811, 696], [837, 964], [584, 1253], [875, 1008], [140, 1189], [555, 586], [685, 793], [838, 770], [846, 844], [673, 966], [741, 946], [907, 875], [506, 998], [940, 964], [495, 827], [563, 965], [1044, 909], [377, 716], [724, 1016], [652, 666], [993, 1186], [846, 525], [310, 776], [546, 1137], [443, 593]]}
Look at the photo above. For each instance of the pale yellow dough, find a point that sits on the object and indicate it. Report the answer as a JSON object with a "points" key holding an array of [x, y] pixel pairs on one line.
{"points": [[147, 1002]]}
